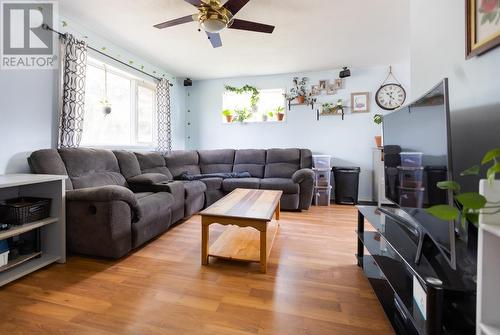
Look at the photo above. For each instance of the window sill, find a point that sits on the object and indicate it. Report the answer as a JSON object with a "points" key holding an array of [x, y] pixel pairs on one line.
{"points": [[121, 147]]}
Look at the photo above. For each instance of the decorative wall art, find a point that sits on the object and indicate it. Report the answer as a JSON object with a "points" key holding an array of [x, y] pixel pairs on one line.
{"points": [[360, 102], [483, 26]]}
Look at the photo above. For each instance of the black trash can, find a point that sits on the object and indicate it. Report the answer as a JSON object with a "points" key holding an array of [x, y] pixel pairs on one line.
{"points": [[346, 185]]}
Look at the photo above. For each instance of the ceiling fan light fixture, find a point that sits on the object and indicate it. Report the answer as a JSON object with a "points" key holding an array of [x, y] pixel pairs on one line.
{"points": [[213, 25]]}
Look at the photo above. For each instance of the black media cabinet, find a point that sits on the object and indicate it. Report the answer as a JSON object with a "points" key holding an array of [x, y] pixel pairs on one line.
{"points": [[447, 297]]}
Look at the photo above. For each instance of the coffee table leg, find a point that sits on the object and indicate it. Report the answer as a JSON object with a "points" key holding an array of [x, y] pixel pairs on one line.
{"points": [[263, 250], [204, 242], [277, 212]]}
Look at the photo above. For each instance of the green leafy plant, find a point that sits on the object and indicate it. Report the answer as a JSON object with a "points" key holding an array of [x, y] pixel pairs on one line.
{"points": [[254, 98], [472, 202], [378, 118], [280, 110], [327, 105], [242, 115], [227, 112], [270, 114]]}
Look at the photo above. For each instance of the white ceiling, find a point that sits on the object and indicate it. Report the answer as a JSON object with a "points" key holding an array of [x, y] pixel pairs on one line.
{"points": [[310, 35]]}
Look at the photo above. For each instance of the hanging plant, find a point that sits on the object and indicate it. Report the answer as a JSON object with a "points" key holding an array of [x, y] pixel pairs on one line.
{"points": [[254, 98], [106, 105]]}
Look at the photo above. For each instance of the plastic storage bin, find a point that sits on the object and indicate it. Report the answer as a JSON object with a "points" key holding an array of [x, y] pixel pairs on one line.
{"points": [[346, 185], [411, 159], [435, 195], [411, 177], [4, 258], [411, 197], [322, 161], [323, 196], [322, 177]]}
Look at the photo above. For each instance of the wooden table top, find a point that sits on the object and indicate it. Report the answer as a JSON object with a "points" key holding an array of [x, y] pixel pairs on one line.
{"points": [[246, 203]]}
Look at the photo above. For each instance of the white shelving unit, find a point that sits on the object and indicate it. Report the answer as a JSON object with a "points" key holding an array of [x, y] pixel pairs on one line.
{"points": [[379, 178], [488, 265], [52, 229]]}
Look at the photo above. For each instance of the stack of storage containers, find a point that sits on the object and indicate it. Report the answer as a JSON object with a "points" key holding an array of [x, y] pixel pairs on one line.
{"points": [[322, 179], [411, 175]]}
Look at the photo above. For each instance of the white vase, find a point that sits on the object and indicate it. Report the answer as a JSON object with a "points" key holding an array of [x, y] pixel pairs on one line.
{"points": [[492, 193]]}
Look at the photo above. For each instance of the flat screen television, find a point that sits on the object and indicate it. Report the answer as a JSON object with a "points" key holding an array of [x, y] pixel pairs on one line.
{"points": [[417, 155]]}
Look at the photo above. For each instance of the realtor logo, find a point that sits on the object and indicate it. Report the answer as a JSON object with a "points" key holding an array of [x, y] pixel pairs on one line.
{"points": [[24, 42]]}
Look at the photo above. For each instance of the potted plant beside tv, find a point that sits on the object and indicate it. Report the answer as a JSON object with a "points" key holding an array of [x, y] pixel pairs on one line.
{"points": [[229, 115], [378, 119]]}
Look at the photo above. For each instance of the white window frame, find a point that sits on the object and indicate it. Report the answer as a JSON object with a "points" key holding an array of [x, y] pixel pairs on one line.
{"points": [[135, 82]]}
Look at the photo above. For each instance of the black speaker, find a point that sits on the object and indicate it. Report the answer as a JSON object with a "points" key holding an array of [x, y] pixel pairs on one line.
{"points": [[345, 73], [188, 82]]}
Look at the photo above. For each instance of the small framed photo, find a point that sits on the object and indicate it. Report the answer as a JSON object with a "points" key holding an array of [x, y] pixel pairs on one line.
{"points": [[315, 90], [339, 84], [331, 89], [323, 84], [360, 102]]}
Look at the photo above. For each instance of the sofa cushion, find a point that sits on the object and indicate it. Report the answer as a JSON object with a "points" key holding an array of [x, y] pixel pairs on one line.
{"points": [[128, 163], [250, 160], [214, 161], [231, 184], [92, 167], [282, 163], [152, 162], [281, 184], [48, 161], [212, 183], [194, 188], [141, 195], [182, 161]]}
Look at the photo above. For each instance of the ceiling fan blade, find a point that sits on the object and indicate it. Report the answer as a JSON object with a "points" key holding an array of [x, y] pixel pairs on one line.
{"points": [[234, 6], [175, 22], [252, 26], [215, 39], [194, 2]]}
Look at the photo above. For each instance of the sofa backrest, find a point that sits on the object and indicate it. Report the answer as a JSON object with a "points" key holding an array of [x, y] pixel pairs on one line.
{"points": [[250, 160], [153, 162], [179, 162], [306, 161], [128, 163], [92, 167], [282, 163], [216, 161], [48, 161]]}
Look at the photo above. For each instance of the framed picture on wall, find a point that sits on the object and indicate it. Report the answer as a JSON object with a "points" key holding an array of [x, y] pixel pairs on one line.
{"points": [[483, 26], [331, 89], [360, 102]]}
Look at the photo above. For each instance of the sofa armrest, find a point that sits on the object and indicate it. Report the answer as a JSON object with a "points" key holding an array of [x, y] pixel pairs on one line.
{"points": [[106, 194], [305, 179]]}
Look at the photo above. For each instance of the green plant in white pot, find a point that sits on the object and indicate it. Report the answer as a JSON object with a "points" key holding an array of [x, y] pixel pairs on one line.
{"points": [[473, 203]]}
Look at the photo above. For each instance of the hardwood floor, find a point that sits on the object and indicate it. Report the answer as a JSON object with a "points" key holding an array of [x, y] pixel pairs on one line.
{"points": [[312, 286]]}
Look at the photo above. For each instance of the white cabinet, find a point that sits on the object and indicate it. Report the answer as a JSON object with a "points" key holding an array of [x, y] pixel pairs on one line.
{"points": [[488, 265], [379, 178], [52, 229]]}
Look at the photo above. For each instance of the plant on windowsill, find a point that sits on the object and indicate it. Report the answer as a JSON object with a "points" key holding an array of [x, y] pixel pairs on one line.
{"points": [[280, 113], [472, 202], [378, 119], [254, 98], [229, 114], [242, 115], [270, 116]]}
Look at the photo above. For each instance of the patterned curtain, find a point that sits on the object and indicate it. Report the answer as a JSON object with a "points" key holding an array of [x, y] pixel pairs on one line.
{"points": [[164, 116], [73, 72]]}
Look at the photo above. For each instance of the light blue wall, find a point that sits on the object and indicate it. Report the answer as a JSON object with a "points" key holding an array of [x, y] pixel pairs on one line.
{"points": [[350, 142], [437, 51], [29, 108]]}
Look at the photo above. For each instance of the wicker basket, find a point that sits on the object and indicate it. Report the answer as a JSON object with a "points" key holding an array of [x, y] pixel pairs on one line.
{"points": [[27, 209]]}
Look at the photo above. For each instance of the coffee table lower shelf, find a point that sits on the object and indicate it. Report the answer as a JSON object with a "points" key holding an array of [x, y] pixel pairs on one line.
{"points": [[243, 243]]}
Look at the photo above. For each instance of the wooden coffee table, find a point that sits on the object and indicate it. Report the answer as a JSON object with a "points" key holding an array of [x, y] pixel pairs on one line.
{"points": [[250, 235]]}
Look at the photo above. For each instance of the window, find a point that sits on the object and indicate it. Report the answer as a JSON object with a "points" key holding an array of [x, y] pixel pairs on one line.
{"points": [[131, 119], [270, 108]]}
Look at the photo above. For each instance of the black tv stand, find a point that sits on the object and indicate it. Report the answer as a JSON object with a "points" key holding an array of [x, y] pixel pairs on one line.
{"points": [[446, 297]]}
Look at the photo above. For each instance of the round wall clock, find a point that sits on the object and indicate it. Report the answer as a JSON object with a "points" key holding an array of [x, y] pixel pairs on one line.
{"points": [[390, 96]]}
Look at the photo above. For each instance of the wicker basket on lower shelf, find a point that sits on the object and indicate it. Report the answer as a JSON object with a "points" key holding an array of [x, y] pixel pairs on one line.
{"points": [[27, 209]]}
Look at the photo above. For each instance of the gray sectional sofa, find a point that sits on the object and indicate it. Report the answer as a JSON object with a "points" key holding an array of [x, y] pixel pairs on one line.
{"points": [[118, 200]]}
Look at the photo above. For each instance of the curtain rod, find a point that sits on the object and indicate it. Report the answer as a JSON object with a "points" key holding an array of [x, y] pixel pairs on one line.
{"points": [[47, 27]]}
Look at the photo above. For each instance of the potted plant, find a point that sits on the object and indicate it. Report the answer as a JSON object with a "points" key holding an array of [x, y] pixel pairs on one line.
{"points": [[474, 204], [229, 114], [242, 115], [298, 92], [327, 107], [270, 115], [378, 118], [280, 113]]}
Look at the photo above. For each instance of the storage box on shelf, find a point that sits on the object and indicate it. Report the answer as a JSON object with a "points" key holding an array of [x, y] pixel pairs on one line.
{"points": [[41, 240], [322, 179], [411, 175]]}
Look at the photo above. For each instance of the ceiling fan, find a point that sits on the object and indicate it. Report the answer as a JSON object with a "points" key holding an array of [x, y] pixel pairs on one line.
{"points": [[213, 17]]}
